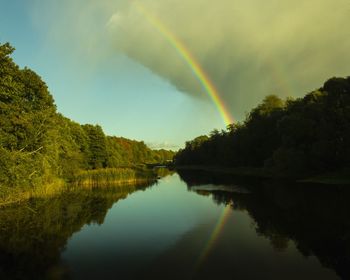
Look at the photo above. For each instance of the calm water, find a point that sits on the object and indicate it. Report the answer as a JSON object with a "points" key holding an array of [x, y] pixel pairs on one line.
{"points": [[198, 227]]}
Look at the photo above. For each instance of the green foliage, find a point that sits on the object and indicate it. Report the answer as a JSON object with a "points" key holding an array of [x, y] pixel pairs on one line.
{"points": [[72, 148], [296, 138], [26, 121], [126, 152], [97, 150], [38, 145]]}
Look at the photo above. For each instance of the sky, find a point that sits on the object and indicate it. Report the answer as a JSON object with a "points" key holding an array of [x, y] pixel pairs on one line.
{"points": [[122, 63]]}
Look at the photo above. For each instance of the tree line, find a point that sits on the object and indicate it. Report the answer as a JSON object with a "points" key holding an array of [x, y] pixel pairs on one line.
{"points": [[38, 145], [292, 137]]}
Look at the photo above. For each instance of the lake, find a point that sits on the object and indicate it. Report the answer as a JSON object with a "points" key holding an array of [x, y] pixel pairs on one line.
{"points": [[192, 225]]}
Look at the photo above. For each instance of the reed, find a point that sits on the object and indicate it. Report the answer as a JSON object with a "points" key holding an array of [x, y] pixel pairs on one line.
{"points": [[114, 176], [88, 179], [11, 195]]}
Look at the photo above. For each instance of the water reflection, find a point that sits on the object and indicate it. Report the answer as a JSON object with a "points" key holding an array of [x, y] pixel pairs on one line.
{"points": [[314, 217], [174, 231], [32, 235]]}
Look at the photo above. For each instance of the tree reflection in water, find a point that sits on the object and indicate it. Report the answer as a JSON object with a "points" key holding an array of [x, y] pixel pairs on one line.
{"points": [[314, 217], [33, 234]]}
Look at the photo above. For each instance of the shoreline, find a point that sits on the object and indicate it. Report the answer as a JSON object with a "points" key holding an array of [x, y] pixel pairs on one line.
{"points": [[15, 195], [334, 178]]}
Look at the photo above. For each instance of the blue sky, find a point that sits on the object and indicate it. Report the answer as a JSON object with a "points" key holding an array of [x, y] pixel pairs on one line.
{"points": [[120, 94], [105, 64]]}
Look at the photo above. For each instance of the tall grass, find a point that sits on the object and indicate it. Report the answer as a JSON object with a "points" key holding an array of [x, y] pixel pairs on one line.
{"points": [[10, 195], [114, 176], [88, 179]]}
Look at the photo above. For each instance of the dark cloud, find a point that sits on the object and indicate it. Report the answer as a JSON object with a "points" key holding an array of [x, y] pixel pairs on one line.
{"points": [[248, 48]]}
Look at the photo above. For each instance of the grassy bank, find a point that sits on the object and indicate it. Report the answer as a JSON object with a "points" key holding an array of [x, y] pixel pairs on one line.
{"points": [[114, 176], [10, 195], [86, 179]]}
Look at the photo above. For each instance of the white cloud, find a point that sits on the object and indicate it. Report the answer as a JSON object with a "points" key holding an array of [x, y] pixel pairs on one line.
{"points": [[162, 145]]}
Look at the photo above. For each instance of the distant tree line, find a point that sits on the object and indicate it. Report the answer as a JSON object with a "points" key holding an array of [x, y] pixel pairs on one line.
{"points": [[292, 137], [39, 145]]}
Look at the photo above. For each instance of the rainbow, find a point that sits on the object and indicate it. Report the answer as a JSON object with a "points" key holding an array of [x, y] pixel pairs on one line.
{"points": [[186, 55], [213, 94], [213, 236]]}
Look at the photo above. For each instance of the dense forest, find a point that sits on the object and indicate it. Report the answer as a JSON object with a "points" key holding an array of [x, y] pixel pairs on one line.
{"points": [[40, 146], [292, 137]]}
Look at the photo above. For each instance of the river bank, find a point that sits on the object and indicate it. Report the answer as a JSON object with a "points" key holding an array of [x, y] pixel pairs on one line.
{"points": [[87, 179], [341, 177]]}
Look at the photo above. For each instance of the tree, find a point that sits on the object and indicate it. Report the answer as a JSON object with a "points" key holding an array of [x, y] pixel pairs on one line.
{"points": [[97, 151], [307, 135]]}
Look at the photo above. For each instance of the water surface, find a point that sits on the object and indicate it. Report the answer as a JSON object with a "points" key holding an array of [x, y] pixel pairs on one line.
{"points": [[170, 231]]}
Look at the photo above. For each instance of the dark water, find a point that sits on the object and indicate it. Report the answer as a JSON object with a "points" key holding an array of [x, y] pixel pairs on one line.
{"points": [[193, 226]]}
